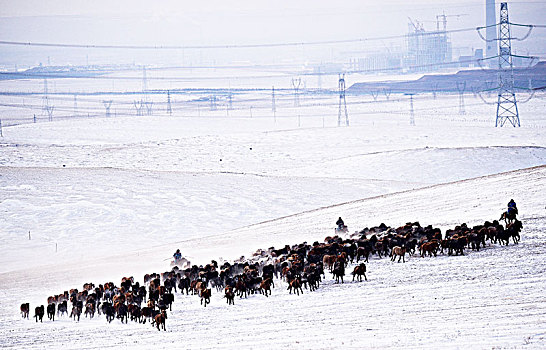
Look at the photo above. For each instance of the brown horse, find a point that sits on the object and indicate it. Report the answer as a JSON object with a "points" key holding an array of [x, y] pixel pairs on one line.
{"points": [[229, 295], [25, 310], [430, 248], [39, 313], [295, 285], [90, 310], [508, 217], [51, 311], [328, 261], [359, 271], [339, 270], [400, 252], [363, 251], [159, 320], [265, 286], [241, 287], [205, 295]]}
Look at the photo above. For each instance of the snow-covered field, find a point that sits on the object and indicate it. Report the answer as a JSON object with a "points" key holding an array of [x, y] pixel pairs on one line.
{"points": [[105, 198]]}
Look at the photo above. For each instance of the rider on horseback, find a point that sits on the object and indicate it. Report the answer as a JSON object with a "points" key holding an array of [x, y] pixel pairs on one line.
{"points": [[340, 224], [177, 255], [512, 209]]}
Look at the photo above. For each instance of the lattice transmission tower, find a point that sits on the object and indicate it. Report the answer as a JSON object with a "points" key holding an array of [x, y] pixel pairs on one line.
{"points": [[507, 106], [342, 101]]}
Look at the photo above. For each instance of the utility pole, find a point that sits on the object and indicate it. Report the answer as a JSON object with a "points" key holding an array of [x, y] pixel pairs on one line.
{"points": [[149, 105], [107, 104], [461, 86], [45, 98], [169, 108], [49, 110], [319, 79], [273, 106], [144, 80], [412, 113], [212, 102], [146, 103], [387, 93], [434, 91], [342, 101], [75, 106], [1, 134], [296, 83], [139, 105]]}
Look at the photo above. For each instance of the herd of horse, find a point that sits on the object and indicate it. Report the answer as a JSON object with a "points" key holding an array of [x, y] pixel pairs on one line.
{"points": [[301, 266]]}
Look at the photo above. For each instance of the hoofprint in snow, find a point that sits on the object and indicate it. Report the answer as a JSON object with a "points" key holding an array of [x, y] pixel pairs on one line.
{"points": [[128, 196]]}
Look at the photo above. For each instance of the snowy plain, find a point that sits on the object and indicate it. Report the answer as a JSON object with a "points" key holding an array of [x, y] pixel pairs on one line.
{"points": [[119, 195]]}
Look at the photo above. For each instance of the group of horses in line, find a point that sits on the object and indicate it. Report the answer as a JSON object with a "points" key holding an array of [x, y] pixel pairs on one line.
{"points": [[123, 302], [299, 266]]}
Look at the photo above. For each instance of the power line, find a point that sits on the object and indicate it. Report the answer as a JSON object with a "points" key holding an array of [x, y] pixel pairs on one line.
{"points": [[229, 46], [239, 46], [100, 114]]}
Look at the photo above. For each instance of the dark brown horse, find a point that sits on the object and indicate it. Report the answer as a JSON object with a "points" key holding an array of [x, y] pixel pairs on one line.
{"points": [[39, 313], [339, 270], [205, 296], [430, 248], [512, 230], [265, 286], [295, 285], [229, 295], [508, 217], [25, 310], [51, 311], [159, 320], [359, 271]]}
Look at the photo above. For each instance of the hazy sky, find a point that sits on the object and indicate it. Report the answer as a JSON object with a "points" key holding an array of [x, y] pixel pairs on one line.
{"points": [[170, 22]]}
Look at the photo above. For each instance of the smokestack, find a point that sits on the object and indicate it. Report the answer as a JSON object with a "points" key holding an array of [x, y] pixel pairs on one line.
{"points": [[490, 32]]}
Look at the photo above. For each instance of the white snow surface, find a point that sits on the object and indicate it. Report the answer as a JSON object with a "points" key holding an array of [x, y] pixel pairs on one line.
{"points": [[105, 198]]}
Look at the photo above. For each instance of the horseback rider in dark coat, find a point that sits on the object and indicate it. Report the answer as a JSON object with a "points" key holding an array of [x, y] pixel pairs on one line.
{"points": [[177, 255], [340, 224], [512, 209]]}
